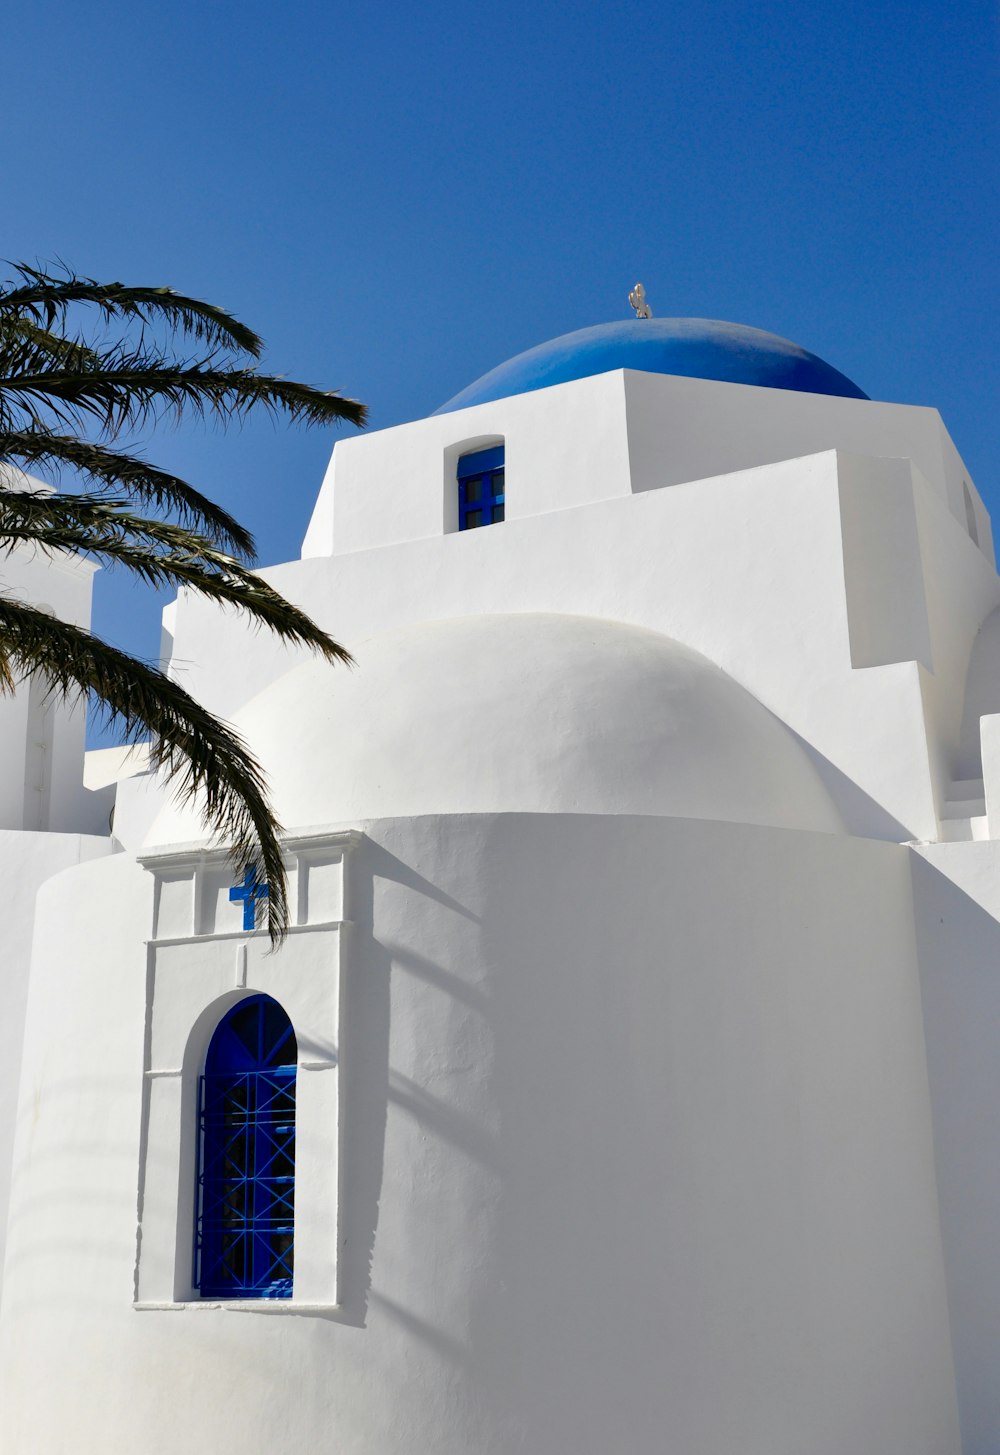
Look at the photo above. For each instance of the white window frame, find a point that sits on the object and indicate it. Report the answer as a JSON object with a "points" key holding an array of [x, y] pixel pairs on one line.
{"points": [[200, 962]]}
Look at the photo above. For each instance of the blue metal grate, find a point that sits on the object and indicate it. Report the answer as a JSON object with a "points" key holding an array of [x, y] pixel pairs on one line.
{"points": [[246, 1183], [481, 490]]}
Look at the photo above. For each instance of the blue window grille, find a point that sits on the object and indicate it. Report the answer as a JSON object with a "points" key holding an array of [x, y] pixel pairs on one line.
{"points": [[244, 1244], [481, 488]]}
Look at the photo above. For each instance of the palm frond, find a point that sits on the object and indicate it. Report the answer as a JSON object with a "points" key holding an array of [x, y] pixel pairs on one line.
{"points": [[114, 470], [206, 758], [52, 384], [132, 389], [48, 297], [18, 331], [161, 554]]}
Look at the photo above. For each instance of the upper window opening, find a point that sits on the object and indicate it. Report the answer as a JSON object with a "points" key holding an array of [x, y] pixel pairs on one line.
{"points": [[970, 512], [481, 488], [246, 1181]]}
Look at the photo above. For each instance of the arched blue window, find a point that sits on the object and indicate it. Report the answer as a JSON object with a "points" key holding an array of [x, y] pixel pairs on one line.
{"points": [[246, 1178], [481, 495]]}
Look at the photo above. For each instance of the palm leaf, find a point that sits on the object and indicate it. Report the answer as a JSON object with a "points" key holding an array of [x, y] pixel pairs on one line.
{"points": [[161, 554], [204, 756], [130, 390], [47, 299], [18, 332], [50, 380], [114, 470]]}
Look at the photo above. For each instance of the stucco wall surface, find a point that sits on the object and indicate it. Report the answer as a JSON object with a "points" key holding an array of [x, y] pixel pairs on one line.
{"points": [[530, 713], [957, 892], [962, 590], [60, 584], [27, 860], [613, 434], [767, 572], [635, 1153]]}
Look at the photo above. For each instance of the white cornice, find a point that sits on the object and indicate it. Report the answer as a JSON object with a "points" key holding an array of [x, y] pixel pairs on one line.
{"points": [[172, 856]]}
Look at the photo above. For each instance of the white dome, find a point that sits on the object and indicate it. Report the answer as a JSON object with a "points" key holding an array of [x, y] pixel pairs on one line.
{"points": [[522, 714]]}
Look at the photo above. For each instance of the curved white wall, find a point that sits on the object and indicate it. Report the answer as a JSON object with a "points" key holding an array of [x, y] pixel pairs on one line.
{"points": [[527, 713], [27, 860], [635, 1155]]}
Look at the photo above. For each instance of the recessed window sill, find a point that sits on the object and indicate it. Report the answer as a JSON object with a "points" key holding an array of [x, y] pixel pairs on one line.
{"points": [[240, 1305]]}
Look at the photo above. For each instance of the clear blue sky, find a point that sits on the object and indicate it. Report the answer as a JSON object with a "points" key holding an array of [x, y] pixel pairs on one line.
{"points": [[399, 197]]}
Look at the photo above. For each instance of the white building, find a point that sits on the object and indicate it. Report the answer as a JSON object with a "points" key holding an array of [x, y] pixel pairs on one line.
{"points": [[645, 1080]]}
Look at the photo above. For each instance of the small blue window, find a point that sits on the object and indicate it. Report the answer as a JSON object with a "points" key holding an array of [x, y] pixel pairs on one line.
{"points": [[481, 488], [246, 1182]]}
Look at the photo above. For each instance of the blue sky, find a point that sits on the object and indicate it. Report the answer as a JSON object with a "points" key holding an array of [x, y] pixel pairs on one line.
{"points": [[398, 198]]}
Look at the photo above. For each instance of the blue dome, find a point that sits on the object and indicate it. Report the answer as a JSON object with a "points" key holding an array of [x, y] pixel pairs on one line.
{"points": [[698, 348]]}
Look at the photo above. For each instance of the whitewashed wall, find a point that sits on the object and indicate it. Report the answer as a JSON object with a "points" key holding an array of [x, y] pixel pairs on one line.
{"points": [[779, 574], [614, 434], [531, 712], [27, 860], [61, 584], [636, 1147], [957, 894], [635, 1114]]}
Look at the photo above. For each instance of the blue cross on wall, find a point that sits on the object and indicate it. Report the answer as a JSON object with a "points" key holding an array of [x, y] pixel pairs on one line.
{"points": [[250, 891]]}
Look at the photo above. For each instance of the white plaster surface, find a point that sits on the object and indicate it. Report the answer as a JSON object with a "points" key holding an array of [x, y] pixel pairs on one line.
{"points": [[534, 713], [748, 569], [44, 746], [613, 434], [103, 766], [27, 860], [619, 1155], [957, 894], [649, 1075]]}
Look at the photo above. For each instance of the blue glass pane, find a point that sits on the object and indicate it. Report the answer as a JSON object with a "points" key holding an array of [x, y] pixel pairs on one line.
{"points": [[246, 1185], [480, 488], [254, 1035]]}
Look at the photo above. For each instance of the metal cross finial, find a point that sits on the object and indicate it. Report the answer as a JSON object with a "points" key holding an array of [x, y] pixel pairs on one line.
{"points": [[637, 298], [251, 892]]}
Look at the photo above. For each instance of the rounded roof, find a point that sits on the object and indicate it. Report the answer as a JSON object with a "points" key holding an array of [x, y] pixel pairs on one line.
{"points": [[698, 348], [523, 713]]}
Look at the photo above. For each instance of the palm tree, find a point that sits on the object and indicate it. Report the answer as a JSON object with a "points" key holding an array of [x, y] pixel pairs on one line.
{"points": [[68, 397]]}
